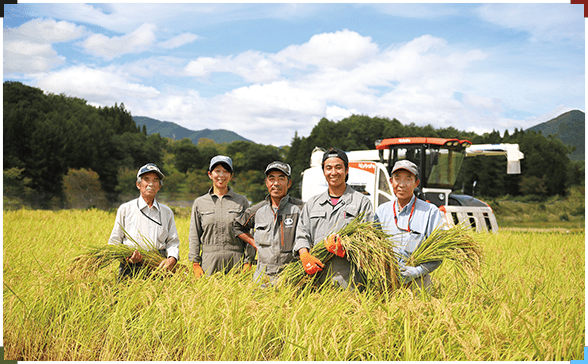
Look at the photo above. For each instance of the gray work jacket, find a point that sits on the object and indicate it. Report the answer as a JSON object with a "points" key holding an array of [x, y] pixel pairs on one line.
{"points": [[319, 218], [273, 231], [211, 225]]}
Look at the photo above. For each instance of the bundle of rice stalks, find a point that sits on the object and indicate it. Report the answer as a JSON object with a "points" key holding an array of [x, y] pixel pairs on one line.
{"points": [[454, 244], [368, 248], [103, 255], [99, 256]]}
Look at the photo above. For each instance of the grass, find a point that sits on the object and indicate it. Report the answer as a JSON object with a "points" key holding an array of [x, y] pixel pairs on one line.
{"points": [[527, 303], [561, 213]]}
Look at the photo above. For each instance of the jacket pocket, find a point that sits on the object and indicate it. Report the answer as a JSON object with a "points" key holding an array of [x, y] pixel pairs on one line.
{"points": [[207, 218], [262, 235]]}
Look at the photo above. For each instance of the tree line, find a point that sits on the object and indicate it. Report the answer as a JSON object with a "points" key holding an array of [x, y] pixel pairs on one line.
{"points": [[58, 149]]}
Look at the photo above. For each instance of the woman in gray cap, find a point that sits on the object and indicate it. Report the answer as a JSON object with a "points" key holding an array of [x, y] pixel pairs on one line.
{"points": [[213, 247]]}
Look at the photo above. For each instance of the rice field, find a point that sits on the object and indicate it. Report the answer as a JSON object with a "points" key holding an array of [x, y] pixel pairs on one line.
{"points": [[527, 303]]}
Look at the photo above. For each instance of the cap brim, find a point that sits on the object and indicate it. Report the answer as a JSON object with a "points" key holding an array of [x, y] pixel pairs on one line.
{"points": [[225, 164]]}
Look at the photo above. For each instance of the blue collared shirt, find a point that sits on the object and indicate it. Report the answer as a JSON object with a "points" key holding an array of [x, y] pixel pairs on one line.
{"points": [[425, 218]]}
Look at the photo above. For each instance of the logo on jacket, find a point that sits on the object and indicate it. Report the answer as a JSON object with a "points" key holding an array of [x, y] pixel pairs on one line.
{"points": [[288, 221]]}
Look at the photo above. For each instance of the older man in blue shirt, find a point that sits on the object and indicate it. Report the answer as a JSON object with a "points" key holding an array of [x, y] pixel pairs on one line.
{"points": [[411, 221]]}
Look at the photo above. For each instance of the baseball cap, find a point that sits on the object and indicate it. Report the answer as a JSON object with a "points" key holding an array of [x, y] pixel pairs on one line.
{"points": [[406, 164], [280, 166], [336, 153], [150, 167], [221, 159]]}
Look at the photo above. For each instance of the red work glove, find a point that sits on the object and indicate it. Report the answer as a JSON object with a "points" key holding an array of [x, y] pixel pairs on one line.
{"points": [[246, 267], [311, 264], [198, 272], [333, 245]]}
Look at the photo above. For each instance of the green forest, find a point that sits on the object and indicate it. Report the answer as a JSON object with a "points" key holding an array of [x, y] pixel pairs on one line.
{"points": [[60, 152]]}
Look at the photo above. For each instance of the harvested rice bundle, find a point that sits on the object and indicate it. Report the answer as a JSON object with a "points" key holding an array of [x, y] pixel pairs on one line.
{"points": [[368, 248], [100, 256], [454, 244], [103, 255]]}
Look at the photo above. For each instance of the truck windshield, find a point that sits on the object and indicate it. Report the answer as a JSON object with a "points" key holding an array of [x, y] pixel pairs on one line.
{"points": [[443, 172]]}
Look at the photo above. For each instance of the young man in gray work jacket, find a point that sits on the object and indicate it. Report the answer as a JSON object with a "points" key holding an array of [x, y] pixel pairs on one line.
{"points": [[410, 220], [325, 214], [273, 221]]}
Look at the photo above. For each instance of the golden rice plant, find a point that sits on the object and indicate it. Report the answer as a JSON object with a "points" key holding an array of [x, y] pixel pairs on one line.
{"points": [[368, 248], [454, 244]]}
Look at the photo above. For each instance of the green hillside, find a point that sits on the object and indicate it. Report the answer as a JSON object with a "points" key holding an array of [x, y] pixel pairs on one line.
{"points": [[569, 128], [174, 131]]}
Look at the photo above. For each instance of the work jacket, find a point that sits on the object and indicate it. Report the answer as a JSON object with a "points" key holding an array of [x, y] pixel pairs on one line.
{"points": [[211, 240], [274, 230], [319, 218]]}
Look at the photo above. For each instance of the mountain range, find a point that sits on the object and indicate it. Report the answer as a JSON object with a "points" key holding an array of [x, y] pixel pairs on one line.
{"points": [[568, 127], [171, 130]]}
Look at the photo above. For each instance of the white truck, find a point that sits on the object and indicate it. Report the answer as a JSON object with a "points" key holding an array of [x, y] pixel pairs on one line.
{"points": [[439, 161]]}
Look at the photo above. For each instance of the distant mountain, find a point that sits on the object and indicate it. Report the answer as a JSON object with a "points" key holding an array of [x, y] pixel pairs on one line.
{"points": [[172, 130], [569, 128]]}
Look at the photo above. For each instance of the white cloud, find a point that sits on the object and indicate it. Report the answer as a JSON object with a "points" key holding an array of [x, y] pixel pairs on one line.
{"points": [[544, 22], [178, 41], [291, 90], [202, 66], [413, 82], [336, 113], [148, 68], [99, 87], [252, 66], [28, 48], [29, 57], [342, 49], [137, 41]]}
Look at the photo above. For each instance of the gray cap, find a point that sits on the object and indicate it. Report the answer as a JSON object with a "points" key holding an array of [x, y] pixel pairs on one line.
{"points": [[406, 164], [280, 166], [150, 167], [221, 159]]}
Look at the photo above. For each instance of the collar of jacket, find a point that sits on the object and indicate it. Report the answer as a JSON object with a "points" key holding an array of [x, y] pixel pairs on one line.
{"points": [[283, 201], [229, 193], [346, 197]]}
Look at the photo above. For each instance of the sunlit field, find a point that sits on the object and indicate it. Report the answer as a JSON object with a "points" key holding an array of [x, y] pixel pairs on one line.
{"points": [[526, 304]]}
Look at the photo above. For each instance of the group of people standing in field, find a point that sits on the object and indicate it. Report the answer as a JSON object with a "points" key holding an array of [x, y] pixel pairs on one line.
{"points": [[226, 233]]}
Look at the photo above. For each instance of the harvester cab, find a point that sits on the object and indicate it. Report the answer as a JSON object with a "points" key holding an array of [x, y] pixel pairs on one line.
{"points": [[439, 161]]}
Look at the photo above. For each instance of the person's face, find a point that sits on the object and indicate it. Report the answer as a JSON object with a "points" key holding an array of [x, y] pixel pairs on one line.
{"points": [[220, 176], [403, 184], [335, 172], [277, 184], [149, 185]]}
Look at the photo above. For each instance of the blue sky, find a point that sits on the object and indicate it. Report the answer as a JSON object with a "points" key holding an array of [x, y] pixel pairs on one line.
{"points": [[266, 71]]}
